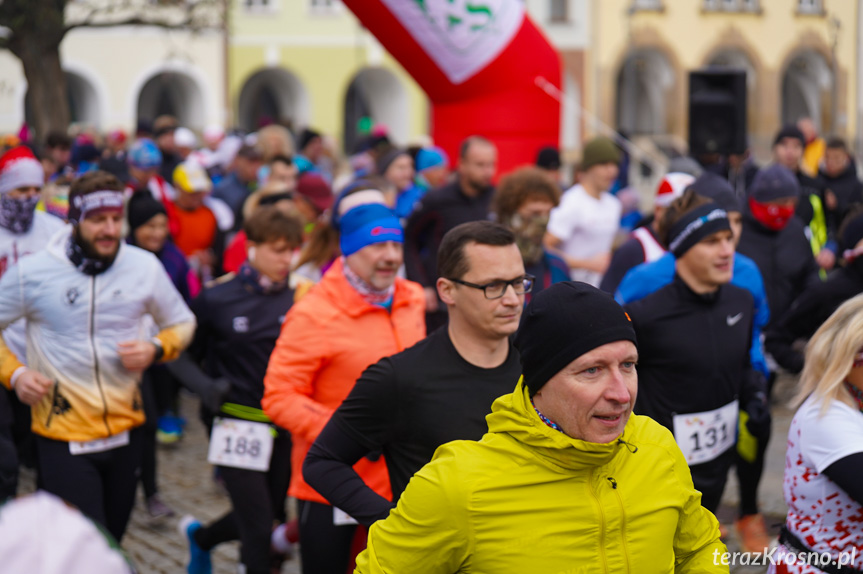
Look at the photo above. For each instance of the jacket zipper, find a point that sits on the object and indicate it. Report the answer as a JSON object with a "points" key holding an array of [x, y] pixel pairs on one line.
{"points": [[601, 521], [95, 355], [622, 523], [53, 403]]}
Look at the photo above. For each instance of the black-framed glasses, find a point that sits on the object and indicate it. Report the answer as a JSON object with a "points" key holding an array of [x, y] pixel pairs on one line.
{"points": [[496, 289]]}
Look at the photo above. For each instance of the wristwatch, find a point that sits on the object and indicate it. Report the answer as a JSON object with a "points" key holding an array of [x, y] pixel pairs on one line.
{"points": [[160, 350]]}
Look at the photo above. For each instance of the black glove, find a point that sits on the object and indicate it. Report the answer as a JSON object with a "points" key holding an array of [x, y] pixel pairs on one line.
{"points": [[214, 395], [758, 410]]}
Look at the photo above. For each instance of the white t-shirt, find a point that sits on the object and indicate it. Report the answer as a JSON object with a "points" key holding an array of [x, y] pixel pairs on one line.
{"points": [[12, 248], [820, 513], [586, 226]]}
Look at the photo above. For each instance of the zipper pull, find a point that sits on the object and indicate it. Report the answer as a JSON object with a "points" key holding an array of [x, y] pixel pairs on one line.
{"points": [[613, 482]]}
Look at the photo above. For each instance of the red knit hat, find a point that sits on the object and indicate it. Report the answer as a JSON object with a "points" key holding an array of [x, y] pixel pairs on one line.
{"points": [[19, 168]]}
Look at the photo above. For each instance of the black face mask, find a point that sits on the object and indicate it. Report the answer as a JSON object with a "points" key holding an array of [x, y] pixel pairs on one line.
{"points": [[84, 256], [16, 215]]}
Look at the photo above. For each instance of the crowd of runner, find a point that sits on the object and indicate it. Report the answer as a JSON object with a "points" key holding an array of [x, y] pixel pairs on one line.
{"points": [[342, 320]]}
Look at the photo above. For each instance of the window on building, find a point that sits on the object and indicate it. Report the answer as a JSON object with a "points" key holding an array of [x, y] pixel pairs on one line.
{"points": [[325, 6], [646, 5], [558, 11], [731, 5], [258, 5], [810, 6]]}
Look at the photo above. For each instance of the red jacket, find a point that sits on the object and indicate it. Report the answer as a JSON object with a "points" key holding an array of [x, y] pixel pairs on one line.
{"points": [[328, 339]]}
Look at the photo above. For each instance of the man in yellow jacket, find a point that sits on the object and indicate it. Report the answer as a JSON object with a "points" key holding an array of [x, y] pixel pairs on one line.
{"points": [[567, 479]]}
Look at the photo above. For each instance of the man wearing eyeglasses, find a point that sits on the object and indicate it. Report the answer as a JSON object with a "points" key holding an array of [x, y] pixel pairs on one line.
{"points": [[440, 389]]}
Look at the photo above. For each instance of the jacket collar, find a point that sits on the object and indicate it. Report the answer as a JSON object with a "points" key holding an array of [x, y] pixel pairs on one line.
{"points": [[57, 246], [686, 293], [514, 415], [348, 300]]}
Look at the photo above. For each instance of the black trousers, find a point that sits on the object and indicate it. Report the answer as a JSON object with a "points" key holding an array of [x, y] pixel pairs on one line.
{"points": [[749, 477], [324, 547], [148, 450], [258, 500], [710, 478], [102, 485], [8, 452]]}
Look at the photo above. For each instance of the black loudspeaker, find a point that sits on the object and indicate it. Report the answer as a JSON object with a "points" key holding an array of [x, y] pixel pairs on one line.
{"points": [[717, 111]]}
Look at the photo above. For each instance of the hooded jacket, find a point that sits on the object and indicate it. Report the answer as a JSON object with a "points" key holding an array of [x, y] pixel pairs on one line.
{"points": [[327, 340], [74, 322], [528, 498]]}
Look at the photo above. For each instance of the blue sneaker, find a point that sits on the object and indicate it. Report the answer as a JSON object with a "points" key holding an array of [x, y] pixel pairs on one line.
{"points": [[170, 429], [199, 559]]}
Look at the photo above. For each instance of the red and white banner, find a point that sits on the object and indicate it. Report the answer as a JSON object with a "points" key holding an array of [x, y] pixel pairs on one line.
{"points": [[478, 61]]}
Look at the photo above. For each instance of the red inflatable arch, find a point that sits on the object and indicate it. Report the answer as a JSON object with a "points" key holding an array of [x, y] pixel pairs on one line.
{"points": [[478, 61]]}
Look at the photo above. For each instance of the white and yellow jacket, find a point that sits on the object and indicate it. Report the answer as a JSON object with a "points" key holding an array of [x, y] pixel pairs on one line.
{"points": [[74, 323]]}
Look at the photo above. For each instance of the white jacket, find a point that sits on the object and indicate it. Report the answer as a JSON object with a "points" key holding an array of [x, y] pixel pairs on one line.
{"points": [[14, 246], [74, 323]]}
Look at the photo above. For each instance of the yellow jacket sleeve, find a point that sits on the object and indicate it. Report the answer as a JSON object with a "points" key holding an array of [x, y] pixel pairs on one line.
{"points": [[429, 531], [176, 338], [9, 363], [697, 547]]}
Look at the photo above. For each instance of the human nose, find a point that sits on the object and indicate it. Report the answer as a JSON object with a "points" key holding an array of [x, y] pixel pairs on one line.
{"points": [[112, 227], [616, 390], [510, 297]]}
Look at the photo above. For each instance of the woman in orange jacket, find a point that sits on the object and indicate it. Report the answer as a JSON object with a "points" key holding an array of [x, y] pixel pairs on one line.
{"points": [[359, 313]]}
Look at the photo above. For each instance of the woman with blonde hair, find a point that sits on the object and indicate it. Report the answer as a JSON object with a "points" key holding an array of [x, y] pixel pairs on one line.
{"points": [[824, 460]]}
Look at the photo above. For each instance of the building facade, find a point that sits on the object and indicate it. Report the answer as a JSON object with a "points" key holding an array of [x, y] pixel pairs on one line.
{"points": [[117, 75], [801, 59]]}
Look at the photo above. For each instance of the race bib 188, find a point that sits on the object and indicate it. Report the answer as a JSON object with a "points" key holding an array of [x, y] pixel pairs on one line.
{"points": [[704, 436], [241, 444]]}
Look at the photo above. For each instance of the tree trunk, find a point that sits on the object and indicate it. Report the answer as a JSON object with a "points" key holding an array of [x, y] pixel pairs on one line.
{"points": [[46, 84]]}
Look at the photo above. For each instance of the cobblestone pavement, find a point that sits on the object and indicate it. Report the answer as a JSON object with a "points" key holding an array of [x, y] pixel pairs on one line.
{"points": [[186, 484], [185, 481]]}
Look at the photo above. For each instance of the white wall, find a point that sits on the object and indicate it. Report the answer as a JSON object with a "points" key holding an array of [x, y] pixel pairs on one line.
{"points": [[116, 64]]}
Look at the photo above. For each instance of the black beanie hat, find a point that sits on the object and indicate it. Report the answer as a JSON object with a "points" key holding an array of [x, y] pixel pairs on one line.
{"points": [[717, 188], [790, 131], [774, 182], [562, 323], [142, 208]]}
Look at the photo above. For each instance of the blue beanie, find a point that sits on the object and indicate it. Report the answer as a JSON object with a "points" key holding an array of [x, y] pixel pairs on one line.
{"points": [[367, 224], [145, 155], [429, 157]]}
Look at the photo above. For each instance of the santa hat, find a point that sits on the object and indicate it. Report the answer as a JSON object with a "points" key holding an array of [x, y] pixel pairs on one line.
{"points": [[671, 187], [19, 168]]}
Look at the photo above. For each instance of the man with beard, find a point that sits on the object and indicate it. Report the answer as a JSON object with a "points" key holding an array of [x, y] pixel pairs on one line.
{"points": [[523, 203], [582, 228], [357, 314], [467, 198], [23, 230], [439, 390], [84, 298]]}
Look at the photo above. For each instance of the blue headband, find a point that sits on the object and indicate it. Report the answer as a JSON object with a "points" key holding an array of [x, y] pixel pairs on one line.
{"points": [[367, 224]]}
